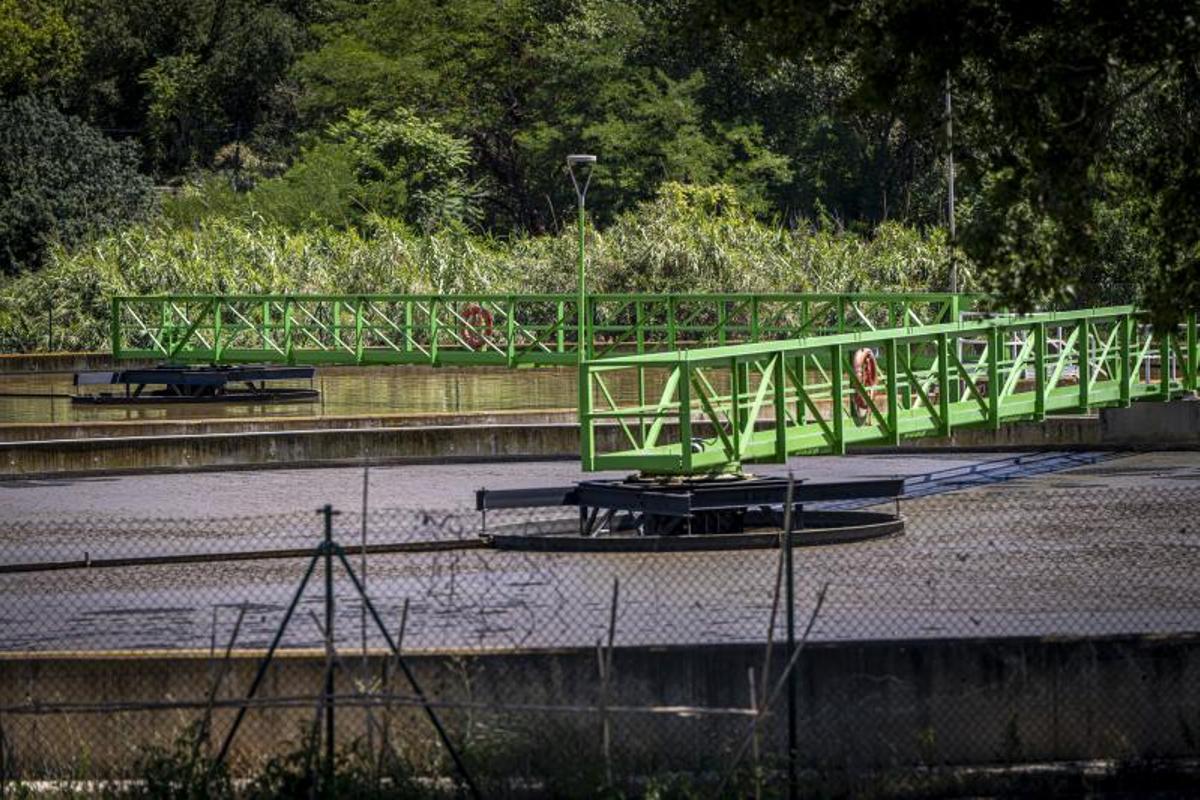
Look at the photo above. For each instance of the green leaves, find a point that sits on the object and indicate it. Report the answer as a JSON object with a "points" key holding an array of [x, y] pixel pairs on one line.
{"points": [[1052, 100], [408, 168], [395, 166], [61, 182], [686, 239], [39, 48]]}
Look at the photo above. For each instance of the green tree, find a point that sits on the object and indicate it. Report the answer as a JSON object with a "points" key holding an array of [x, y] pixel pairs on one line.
{"points": [[527, 81], [188, 76], [1046, 85], [408, 168], [39, 49], [365, 166], [61, 181]]}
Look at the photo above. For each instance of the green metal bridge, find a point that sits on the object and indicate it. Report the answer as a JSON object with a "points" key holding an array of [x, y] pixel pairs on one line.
{"points": [[705, 383], [490, 330]]}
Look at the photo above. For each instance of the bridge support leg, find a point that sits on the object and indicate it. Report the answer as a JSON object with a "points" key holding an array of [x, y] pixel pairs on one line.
{"points": [[1193, 353], [837, 409], [1039, 368]]}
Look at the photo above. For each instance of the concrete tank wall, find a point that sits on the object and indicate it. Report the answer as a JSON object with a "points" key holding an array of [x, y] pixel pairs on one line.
{"points": [[487, 438], [862, 704], [1152, 424]]}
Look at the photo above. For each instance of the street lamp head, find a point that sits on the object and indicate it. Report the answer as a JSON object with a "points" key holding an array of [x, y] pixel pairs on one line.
{"points": [[585, 163]]}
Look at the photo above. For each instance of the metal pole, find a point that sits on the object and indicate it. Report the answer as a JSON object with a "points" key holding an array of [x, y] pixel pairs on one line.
{"points": [[329, 681], [584, 162], [790, 599], [582, 279], [412, 680], [261, 673], [366, 663], [950, 186], [363, 562]]}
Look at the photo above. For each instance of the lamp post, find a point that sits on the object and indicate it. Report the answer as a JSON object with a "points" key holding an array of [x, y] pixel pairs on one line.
{"points": [[950, 188], [585, 163]]}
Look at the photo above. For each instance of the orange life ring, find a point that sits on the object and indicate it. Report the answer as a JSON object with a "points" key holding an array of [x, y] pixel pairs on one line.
{"points": [[477, 325], [866, 369]]}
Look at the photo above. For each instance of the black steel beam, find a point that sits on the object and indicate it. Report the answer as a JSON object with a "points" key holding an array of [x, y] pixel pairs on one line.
{"points": [[489, 499], [633, 497]]}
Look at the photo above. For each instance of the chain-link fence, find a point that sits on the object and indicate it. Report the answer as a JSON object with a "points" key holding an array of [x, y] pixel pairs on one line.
{"points": [[1008, 625]]}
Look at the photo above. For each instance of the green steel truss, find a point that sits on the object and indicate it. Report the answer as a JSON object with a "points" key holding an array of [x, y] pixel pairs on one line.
{"points": [[703, 383], [498, 330], [713, 409]]}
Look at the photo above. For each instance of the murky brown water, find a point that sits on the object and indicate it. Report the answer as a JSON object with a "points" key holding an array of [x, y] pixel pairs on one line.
{"points": [[344, 391]]}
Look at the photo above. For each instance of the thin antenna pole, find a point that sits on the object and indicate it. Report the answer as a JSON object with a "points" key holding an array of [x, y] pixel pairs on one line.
{"points": [[790, 599], [950, 186]]}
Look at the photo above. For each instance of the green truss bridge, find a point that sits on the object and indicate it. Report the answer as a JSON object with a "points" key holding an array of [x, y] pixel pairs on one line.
{"points": [[705, 383], [489, 330]]}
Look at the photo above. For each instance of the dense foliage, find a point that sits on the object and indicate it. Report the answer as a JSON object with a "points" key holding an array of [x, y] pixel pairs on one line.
{"points": [[61, 182], [685, 239], [420, 143], [1074, 115]]}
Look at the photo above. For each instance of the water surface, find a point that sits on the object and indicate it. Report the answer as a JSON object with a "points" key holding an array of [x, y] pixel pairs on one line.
{"points": [[344, 391]]}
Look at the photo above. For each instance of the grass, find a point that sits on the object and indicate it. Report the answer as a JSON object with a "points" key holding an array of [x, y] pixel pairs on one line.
{"points": [[687, 239]]}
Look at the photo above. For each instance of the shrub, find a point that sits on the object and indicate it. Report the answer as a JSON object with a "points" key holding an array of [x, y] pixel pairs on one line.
{"points": [[61, 181]]}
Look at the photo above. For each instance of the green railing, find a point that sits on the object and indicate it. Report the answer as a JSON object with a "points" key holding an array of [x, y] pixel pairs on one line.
{"points": [[713, 409], [499, 330]]}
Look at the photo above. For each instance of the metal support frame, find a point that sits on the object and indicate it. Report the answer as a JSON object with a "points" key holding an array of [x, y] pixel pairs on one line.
{"points": [[326, 552]]}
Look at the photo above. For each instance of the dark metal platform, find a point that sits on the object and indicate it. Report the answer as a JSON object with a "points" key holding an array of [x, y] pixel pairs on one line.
{"points": [[175, 384], [701, 509]]}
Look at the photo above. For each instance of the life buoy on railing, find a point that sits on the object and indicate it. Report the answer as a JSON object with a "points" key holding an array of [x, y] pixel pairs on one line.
{"points": [[866, 369], [477, 325]]}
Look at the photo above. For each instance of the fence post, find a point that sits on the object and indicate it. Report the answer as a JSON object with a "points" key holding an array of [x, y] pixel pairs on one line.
{"points": [[1164, 365], [288, 341], [358, 330], [510, 332], [993, 379], [328, 512], [114, 328], [837, 410], [790, 599], [891, 352], [1084, 360], [685, 412], [1124, 345], [943, 380]]}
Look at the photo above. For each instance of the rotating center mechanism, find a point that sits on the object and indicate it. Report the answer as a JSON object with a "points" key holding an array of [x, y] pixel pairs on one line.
{"points": [[712, 512]]}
